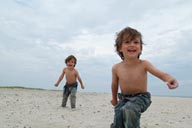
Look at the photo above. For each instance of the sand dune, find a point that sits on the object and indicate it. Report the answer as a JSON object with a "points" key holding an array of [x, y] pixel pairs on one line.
{"points": [[24, 108]]}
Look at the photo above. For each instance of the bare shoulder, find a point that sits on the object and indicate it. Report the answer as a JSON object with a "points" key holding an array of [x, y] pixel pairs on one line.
{"points": [[145, 62], [115, 66], [64, 69], [148, 66], [75, 70]]}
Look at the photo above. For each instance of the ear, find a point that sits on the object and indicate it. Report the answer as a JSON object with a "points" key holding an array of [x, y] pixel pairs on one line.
{"points": [[120, 49]]}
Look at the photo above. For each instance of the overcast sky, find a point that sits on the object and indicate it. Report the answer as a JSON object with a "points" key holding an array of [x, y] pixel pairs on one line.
{"points": [[37, 35]]}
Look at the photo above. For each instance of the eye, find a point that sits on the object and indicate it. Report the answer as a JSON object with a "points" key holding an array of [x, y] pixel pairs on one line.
{"points": [[127, 42], [136, 42]]}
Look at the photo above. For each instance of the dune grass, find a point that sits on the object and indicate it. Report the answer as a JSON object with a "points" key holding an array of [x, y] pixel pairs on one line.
{"points": [[20, 87]]}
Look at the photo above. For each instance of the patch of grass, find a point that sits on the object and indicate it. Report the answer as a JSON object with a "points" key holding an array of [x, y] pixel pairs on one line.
{"points": [[20, 87]]}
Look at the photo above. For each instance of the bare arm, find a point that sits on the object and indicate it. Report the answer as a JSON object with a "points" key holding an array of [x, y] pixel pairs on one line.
{"points": [[80, 81], [171, 82], [60, 78], [114, 85]]}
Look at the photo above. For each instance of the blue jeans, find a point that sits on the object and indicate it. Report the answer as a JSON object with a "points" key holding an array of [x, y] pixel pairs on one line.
{"points": [[129, 108], [69, 89]]}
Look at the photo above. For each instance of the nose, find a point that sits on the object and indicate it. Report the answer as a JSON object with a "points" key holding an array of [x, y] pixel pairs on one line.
{"points": [[131, 43]]}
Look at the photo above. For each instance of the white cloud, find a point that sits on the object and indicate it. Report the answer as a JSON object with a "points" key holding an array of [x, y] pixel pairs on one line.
{"points": [[37, 35]]}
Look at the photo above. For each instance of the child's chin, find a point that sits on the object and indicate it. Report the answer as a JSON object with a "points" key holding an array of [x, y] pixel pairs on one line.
{"points": [[133, 56]]}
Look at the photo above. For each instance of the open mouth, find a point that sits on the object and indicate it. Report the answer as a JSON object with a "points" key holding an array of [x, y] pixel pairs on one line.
{"points": [[70, 65], [132, 51]]}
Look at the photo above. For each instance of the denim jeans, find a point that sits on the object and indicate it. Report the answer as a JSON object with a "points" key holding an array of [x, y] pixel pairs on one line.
{"points": [[69, 89], [129, 108]]}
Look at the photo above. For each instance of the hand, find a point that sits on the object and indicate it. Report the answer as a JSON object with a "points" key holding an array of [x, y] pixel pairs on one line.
{"points": [[82, 87], [55, 84], [172, 84], [113, 102]]}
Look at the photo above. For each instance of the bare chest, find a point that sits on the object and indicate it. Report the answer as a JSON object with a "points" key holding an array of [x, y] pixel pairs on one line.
{"points": [[131, 74], [70, 74]]}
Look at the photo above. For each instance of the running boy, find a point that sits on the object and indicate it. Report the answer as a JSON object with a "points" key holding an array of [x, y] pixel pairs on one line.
{"points": [[130, 75], [71, 75]]}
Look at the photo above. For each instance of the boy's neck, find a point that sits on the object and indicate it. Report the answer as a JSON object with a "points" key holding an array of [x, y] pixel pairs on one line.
{"points": [[70, 68], [130, 61]]}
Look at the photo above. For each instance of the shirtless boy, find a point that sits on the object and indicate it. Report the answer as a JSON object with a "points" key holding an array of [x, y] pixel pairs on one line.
{"points": [[130, 75], [71, 75]]}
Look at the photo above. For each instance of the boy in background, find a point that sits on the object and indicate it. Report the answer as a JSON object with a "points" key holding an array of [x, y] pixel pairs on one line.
{"points": [[71, 75]]}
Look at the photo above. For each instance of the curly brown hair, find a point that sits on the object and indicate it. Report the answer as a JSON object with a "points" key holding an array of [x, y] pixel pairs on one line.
{"points": [[131, 33], [69, 58]]}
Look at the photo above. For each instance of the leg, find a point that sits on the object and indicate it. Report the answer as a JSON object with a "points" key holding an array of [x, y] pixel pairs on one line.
{"points": [[131, 115], [64, 101], [65, 96], [132, 110], [73, 97], [118, 120]]}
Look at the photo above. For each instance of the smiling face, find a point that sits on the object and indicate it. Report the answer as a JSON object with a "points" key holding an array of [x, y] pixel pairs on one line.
{"points": [[129, 40], [130, 48], [71, 63]]}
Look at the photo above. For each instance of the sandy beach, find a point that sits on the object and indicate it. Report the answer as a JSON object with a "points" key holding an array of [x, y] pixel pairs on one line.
{"points": [[28, 108]]}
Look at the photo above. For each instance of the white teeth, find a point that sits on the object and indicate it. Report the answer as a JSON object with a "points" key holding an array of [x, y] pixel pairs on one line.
{"points": [[131, 50]]}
